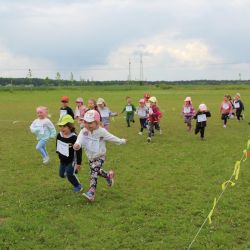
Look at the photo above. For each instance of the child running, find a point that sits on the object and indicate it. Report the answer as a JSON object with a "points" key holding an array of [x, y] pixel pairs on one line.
{"points": [[65, 109], [239, 106], [79, 110], [154, 116], [92, 138], [105, 113], [130, 111], [225, 110], [201, 120], [142, 112], [44, 129], [70, 160], [146, 99], [188, 112]]}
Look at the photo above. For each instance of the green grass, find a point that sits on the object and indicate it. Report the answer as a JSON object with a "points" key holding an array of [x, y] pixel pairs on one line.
{"points": [[163, 190]]}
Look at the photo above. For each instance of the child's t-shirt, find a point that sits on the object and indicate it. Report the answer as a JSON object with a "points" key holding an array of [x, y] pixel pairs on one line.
{"points": [[142, 112]]}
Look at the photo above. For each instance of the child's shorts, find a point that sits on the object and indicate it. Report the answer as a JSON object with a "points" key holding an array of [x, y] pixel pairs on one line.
{"points": [[188, 119]]}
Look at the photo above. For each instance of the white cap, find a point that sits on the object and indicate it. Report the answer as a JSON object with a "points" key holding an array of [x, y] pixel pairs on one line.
{"points": [[100, 101], [91, 116], [79, 99], [153, 99], [202, 107]]}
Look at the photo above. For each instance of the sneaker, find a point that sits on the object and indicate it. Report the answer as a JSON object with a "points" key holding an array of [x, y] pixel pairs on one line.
{"points": [[140, 133], [46, 160], [90, 195], [78, 188], [110, 178], [160, 132], [149, 139], [224, 126]]}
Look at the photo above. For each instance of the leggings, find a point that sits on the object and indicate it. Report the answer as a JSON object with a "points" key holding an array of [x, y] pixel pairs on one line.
{"points": [[238, 114], [96, 170], [41, 148], [224, 117], [201, 130], [151, 126]]}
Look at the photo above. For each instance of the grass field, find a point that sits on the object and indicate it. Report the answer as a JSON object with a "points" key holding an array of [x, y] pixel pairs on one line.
{"points": [[163, 191]]}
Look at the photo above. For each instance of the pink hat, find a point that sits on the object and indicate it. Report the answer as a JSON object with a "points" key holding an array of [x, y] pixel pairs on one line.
{"points": [[187, 99], [91, 116], [141, 101], [42, 109]]}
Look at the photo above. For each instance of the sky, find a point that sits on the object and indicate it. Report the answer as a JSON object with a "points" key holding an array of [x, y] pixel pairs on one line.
{"points": [[96, 39]]}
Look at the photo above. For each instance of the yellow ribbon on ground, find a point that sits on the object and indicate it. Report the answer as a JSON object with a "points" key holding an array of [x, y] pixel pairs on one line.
{"points": [[248, 144], [236, 170], [244, 155], [224, 184], [211, 212]]}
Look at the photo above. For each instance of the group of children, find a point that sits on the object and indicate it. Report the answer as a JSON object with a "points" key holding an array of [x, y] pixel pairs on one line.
{"points": [[94, 121], [228, 109]]}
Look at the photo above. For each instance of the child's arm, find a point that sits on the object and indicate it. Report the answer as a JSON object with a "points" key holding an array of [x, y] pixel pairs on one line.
{"points": [[52, 129], [109, 137], [33, 128], [79, 141]]}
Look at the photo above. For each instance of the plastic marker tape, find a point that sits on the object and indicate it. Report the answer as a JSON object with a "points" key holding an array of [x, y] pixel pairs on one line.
{"points": [[248, 144], [211, 212], [224, 184], [244, 155], [236, 170]]}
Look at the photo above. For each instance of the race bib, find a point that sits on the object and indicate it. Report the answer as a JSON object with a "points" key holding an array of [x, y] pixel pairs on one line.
{"points": [[201, 118], [187, 110], [62, 113], [236, 105], [225, 106], [129, 108], [62, 148], [142, 112]]}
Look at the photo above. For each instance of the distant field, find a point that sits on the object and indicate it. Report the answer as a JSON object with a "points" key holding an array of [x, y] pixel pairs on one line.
{"points": [[163, 190]]}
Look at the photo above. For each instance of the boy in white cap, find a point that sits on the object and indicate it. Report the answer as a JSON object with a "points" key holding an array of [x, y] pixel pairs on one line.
{"points": [[92, 139], [188, 112], [105, 113], [201, 120]]}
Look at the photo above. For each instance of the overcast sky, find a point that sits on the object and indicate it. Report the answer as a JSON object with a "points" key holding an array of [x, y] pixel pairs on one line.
{"points": [[178, 40]]}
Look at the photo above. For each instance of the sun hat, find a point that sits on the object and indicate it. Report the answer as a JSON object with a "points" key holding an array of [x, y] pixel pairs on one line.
{"points": [[238, 94], [65, 119], [141, 101], [64, 99], [187, 99], [202, 107], [100, 101], [79, 99], [91, 116], [153, 99]]}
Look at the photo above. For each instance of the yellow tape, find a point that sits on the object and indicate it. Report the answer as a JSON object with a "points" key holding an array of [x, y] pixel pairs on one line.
{"points": [[248, 144], [244, 155], [236, 170], [223, 186], [211, 212]]}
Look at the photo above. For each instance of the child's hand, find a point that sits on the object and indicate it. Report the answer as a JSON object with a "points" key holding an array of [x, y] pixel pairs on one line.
{"points": [[76, 146], [78, 167], [124, 140]]}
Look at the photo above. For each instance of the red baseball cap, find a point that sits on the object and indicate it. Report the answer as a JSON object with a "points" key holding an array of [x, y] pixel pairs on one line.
{"points": [[64, 99]]}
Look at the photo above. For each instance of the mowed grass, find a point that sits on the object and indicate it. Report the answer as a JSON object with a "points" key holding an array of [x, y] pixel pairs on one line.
{"points": [[163, 190]]}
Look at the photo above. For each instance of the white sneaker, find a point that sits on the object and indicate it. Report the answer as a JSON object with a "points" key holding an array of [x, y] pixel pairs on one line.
{"points": [[140, 133], [46, 160], [160, 132], [149, 139], [224, 126]]}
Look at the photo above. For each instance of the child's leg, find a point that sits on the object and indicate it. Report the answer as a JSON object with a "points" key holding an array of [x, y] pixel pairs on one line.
{"points": [[142, 121], [95, 170], [150, 129], [62, 170], [70, 172], [202, 132], [128, 120], [41, 148]]}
